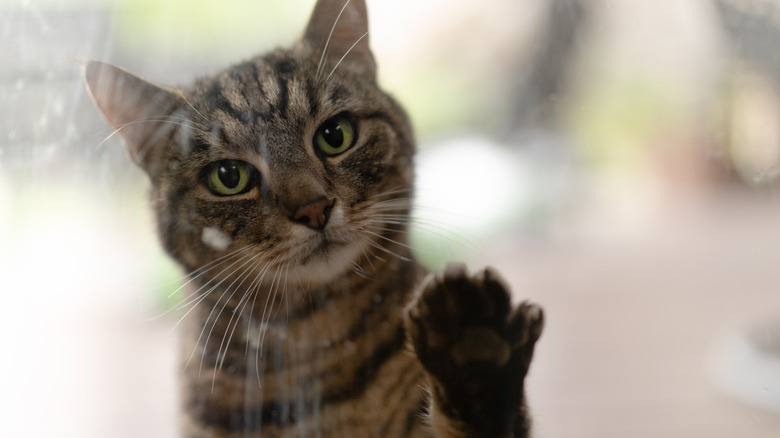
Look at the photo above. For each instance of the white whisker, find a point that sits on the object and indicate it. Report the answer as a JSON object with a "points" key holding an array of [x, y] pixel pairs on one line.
{"points": [[345, 55], [385, 250], [263, 326], [327, 42], [358, 270], [251, 290], [181, 94], [195, 303], [179, 121], [209, 266], [385, 238], [196, 298], [223, 346], [255, 286]]}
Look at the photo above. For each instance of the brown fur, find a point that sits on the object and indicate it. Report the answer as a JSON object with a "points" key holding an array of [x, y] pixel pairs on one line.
{"points": [[296, 327]]}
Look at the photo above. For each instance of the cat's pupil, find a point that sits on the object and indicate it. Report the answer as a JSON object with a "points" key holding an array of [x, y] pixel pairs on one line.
{"points": [[331, 133], [229, 175]]}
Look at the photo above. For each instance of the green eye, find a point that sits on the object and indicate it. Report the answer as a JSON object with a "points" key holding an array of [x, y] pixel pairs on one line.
{"points": [[335, 136], [229, 177]]}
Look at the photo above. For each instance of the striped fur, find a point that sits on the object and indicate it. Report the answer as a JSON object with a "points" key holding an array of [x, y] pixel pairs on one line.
{"points": [[304, 327]]}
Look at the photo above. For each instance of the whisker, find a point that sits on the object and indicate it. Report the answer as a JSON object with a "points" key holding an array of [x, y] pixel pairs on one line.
{"points": [[244, 275], [209, 266], [261, 329], [283, 291], [368, 259], [194, 303], [393, 191], [196, 299], [414, 222], [385, 238], [180, 121], [345, 55], [397, 205], [358, 270], [267, 310], [181, 94], [264, 325], [440, 232], [385, 250], [238, 312], [223, 346], [255, 292], [327, 42]]}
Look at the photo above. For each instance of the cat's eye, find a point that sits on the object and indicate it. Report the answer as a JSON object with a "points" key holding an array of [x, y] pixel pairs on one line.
{"points": [[335, 136], [230, 177]]}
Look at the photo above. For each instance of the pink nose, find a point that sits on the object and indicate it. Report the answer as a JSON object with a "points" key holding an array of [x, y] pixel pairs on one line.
{"points": [[315, 214]]}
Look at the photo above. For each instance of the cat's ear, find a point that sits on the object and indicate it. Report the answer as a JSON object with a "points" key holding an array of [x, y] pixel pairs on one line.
{"points": [[338, 32], [138, 110]]}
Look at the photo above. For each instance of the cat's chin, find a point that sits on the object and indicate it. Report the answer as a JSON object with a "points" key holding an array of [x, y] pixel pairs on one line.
{"points": [[329, 261]]}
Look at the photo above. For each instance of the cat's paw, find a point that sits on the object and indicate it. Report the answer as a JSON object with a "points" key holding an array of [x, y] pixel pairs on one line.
{"points": [[475, 346]]}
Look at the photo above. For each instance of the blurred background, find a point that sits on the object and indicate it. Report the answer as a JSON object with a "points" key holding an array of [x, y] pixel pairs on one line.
{"points": [[617, 160]]}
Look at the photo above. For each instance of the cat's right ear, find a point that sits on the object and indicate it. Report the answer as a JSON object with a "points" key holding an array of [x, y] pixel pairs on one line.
{"points": [[138, 110]]}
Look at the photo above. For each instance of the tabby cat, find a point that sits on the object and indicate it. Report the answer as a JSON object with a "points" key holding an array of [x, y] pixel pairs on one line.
{"points": [[282, 186]]}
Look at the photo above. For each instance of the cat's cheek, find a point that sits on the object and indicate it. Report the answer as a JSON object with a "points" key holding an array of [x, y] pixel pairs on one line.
{"points": [[406, 165], [188, 256]]}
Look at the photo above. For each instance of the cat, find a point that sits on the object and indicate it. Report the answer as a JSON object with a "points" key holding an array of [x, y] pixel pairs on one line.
{"points": [[282, 186]]}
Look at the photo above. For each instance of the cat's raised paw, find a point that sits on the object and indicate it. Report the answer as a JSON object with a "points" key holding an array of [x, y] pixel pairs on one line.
{"points": [[466, 333]]}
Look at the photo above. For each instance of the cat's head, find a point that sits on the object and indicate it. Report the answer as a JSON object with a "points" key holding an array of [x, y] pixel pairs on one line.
{"points": [[293, 162]]}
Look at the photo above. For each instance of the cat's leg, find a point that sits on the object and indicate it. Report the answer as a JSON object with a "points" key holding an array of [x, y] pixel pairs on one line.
{"points": [[476, 349]]}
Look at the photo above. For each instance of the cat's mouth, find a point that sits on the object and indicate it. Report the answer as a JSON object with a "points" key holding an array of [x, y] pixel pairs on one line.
{"points": [[325, 249], [326, 256]]}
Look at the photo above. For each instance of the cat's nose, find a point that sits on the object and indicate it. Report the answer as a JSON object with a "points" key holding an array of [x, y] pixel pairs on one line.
{"points": [[315, 214]]}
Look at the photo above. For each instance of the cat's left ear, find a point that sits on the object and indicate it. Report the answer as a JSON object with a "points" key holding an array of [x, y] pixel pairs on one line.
{"points": [[338, 32], [138, 110]]}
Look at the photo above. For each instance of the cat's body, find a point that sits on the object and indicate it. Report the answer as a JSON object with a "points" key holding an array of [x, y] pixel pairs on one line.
{"points": [[282, 186], [332, 363]]}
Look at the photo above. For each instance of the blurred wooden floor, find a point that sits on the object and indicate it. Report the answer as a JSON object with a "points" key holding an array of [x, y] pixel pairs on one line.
{"points": [[632, 321]]}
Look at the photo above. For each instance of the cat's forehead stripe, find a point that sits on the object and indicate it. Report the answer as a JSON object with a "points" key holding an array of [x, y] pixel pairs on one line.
{"points": [[299, 101]]}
